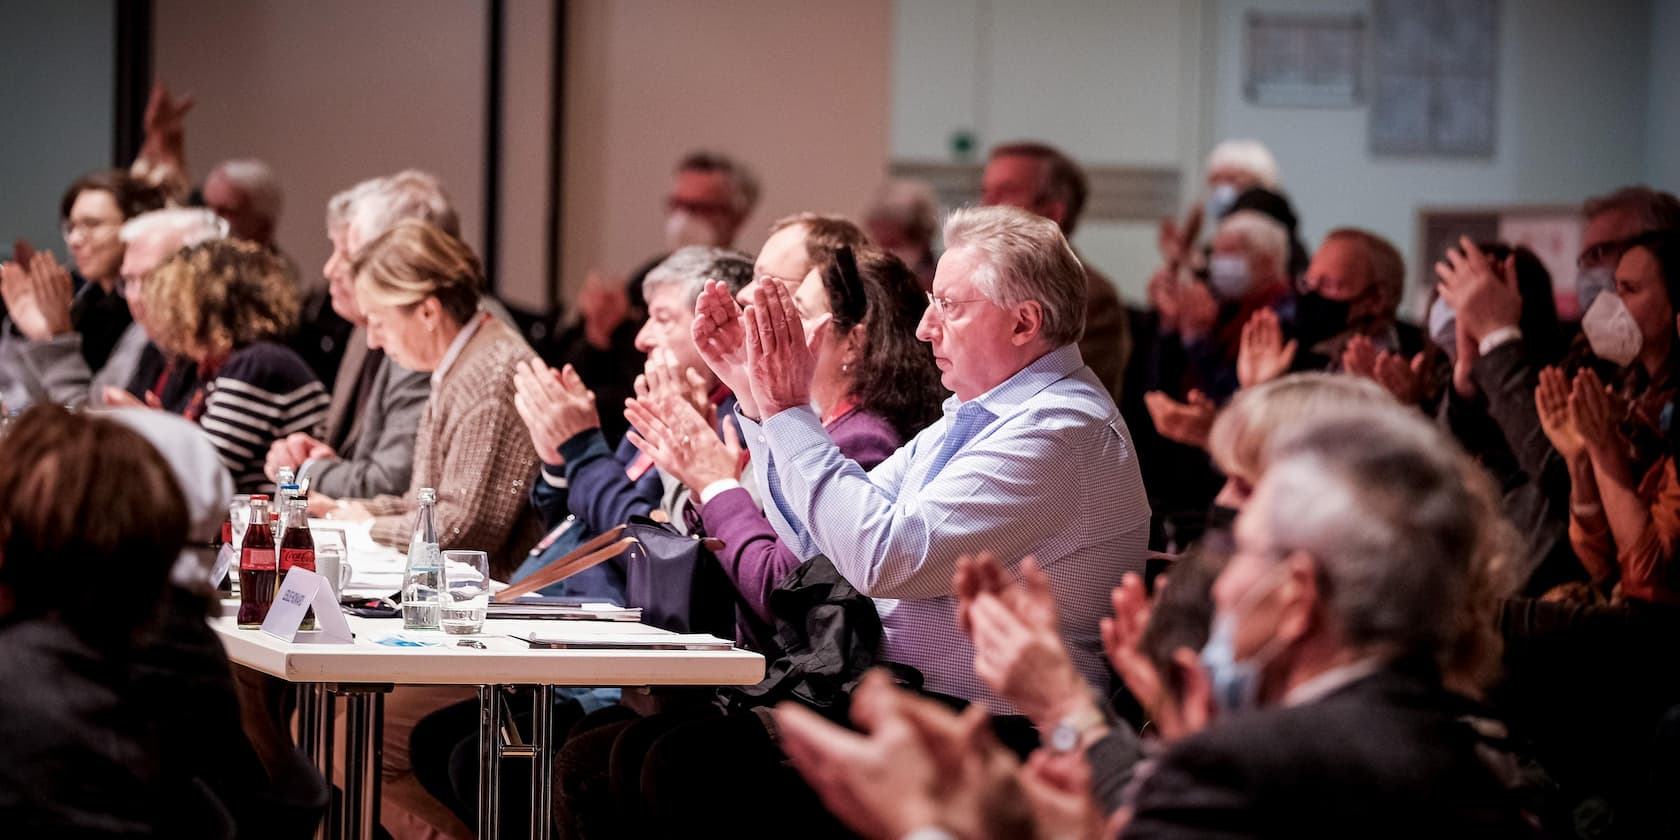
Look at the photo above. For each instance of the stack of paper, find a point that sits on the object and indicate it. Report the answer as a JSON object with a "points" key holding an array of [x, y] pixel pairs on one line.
{"points": [[574, 611], [562, 637]]}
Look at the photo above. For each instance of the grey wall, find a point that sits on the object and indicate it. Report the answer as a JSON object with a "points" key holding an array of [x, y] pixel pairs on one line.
{"points": [[1662, 143], [56, 78]]}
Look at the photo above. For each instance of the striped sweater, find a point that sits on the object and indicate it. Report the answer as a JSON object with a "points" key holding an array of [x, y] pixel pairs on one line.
{"points": [[263, 392]]}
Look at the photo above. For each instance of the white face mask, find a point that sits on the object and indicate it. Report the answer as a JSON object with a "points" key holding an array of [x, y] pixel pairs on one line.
{"points": [[1228, 275], [683, 228], [1611, 330], [1443, 327], [1219, 200]]}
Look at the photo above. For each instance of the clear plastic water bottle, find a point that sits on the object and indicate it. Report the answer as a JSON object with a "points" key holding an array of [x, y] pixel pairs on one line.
{"points": [[423, 577]]}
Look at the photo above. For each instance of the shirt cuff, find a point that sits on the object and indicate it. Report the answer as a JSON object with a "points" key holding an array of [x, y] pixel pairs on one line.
{"points": [[555, 476], [1503, 335], [711, 491], [929, 833]]}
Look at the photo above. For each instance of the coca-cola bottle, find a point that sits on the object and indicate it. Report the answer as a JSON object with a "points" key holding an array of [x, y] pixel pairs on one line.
{"points": [[259, 574], [297, 547]]}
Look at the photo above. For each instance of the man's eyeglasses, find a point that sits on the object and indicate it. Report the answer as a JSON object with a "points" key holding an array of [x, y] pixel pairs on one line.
{"points": [[1601, 253], [945, 307]]}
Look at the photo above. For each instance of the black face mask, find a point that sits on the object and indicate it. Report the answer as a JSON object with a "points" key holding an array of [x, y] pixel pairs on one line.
{"points": [[1318, 318], [1221, 518]]}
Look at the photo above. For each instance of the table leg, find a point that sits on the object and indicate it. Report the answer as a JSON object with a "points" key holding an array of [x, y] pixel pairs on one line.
{"points": [[542, 763], [323, 736], [364, 713], [489, 760]]}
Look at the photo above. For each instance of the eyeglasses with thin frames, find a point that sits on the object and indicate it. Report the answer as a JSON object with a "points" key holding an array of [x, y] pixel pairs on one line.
{"points": [[944, 307]]}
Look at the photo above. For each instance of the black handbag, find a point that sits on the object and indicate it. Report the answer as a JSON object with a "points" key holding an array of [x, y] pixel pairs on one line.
{"points": [[677, 581]]}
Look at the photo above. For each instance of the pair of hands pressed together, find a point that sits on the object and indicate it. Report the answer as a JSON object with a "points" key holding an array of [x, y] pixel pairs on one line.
{"points": [[1486, 298], [761, 353], [1579, 417], [38, 296], [1403, 379], [1185, 307]]}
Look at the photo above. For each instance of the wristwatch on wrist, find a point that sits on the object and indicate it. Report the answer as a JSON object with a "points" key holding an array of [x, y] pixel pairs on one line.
{"points": [[1068, 732]]}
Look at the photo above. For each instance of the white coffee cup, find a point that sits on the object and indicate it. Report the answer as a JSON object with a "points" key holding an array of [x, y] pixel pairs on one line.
{"points": [[331, 565]]}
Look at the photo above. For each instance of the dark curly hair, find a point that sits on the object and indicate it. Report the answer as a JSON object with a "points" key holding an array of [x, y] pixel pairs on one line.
{"points": [[895, 376]]}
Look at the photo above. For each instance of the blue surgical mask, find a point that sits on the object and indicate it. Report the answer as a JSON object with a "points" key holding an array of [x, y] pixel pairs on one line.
{"points": [[1219, 201], [1236, 685], [1590, 282], [1228, 275], [1443, 327]]}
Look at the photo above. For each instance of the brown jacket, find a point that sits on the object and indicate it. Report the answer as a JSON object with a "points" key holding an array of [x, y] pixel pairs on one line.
{"points": [[473, 448]]}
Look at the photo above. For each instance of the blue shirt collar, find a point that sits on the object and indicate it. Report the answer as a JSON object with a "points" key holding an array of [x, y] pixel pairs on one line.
{"points": [[1006, 396]]}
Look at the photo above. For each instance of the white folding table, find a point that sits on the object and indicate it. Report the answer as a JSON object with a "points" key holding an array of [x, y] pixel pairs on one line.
{"points": [[363, 671]]}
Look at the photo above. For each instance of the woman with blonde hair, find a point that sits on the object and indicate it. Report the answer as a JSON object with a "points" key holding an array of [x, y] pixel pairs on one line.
{"points": [[419, 288], [223, 306]]}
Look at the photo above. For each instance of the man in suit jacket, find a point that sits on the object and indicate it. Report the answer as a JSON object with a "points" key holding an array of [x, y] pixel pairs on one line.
{"points": [[1353, 574], [376, 404]]}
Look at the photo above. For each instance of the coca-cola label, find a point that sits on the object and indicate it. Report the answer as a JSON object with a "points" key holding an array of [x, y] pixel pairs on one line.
{"points": [[290, 557], [256, 559]]}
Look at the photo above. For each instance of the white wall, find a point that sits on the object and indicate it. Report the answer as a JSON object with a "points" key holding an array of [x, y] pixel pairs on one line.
{"points": [[56, 77], [331, 93], [798, 91], [1662, 146], [1572, 104]]}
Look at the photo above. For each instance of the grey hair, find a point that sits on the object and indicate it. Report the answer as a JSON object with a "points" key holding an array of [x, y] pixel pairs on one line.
{"points": [[1655, 210], [908, 203], [1262, 234], [409, 194], [689, 268], [1378, 497], [743, 184], [1023, 257], [256, 180], [1249, 156], [192, 225], [341, 205]]}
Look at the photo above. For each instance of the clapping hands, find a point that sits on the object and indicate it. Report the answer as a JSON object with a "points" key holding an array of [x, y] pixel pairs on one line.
{"points": [[1263, 355], [555, 406], [38, 296]]}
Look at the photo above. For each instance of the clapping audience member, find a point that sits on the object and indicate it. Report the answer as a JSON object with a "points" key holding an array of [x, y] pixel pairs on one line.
{"points": [[44, 303], [874, 386], [223, 305], [1624, 498], [135, 364], [1027, 417], [798, 243], [1352, 288], [367, 448]]}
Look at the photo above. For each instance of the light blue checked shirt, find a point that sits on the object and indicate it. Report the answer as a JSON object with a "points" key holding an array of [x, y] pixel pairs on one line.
{"points": [[1040, 465]]}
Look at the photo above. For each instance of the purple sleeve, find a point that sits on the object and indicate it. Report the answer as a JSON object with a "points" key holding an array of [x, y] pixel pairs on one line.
{"points": [[753, 556]]}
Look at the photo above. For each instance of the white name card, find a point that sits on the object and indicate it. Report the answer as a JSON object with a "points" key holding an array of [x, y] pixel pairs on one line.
{"points": [[300, 590], [224, 564]]}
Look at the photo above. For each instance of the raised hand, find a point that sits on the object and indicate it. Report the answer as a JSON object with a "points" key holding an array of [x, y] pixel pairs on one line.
{"points": [[1551, 402], [719, 331], [1198, 311], [1058, 787], [1594, 415], [780, 363], [162, 160], [1359, 357], [1405, 380], [555, 406], [682, 442], [1018, 647], [660, 380], [1187, 423], [1163, 296], [1122, 636], [1263, 355], [603, 304], [38, 296], [1484, 294]]}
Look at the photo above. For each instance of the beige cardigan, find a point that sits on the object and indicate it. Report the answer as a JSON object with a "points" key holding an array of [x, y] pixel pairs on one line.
{"points": [[473, 448]]}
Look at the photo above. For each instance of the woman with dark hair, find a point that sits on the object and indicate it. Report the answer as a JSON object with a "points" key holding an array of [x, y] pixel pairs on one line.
{"points": [[91, 520], [874, 386], [1624, 503]]}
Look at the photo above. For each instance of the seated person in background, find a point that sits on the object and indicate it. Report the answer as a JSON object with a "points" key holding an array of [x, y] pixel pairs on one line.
{"points": [[58, 364], [902, 220], [368, 445], [45, 305], [75, 594], [874, 386], [1624, 499], [419, 289], [797, 244], [1028, 420], [223, 305]]}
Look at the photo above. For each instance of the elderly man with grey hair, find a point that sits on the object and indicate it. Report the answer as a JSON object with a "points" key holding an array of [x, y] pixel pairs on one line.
{"points": [[1031, 458], [55, 369], [1356, 562]]}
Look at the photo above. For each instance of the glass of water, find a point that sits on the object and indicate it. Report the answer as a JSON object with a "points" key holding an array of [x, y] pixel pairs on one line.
{"points": [[466, 591]]}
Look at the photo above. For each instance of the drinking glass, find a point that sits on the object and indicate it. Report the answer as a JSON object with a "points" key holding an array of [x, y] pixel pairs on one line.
{"points": [[466, 591]]}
